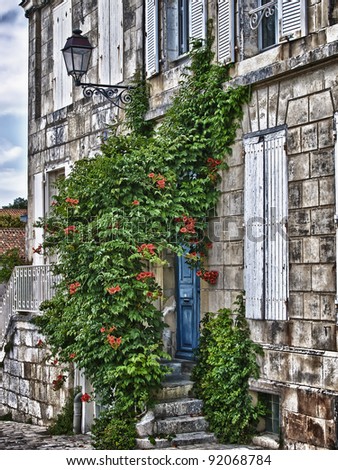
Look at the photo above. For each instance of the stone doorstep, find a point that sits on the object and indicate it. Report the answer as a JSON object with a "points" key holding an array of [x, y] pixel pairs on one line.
{"points": [[180, 424], [179, 407], [175, 388], [179, 366], [182, 439]]}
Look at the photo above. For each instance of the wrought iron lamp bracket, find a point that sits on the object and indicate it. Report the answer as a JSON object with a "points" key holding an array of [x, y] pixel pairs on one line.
{"points": [[118, 95], [256, 16]]}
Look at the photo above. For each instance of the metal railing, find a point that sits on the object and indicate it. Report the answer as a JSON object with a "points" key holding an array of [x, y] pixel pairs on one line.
{"points": [[256, 16], [27, 288]]}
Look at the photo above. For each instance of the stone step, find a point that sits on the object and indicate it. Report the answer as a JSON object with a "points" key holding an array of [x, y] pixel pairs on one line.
{"points": [[179, 367], [185, 439], [180, 424], [180, 388], [179, 407]]}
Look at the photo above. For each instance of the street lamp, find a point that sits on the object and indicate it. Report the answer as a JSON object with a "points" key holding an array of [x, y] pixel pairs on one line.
{"points": [[76, 53]]}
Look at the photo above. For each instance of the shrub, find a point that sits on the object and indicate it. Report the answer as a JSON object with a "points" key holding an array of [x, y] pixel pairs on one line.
{"points": [[111, 432], [226, 359]]}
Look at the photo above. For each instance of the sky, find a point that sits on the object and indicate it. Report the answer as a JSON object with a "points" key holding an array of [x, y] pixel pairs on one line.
{"points": [[13, 101]]}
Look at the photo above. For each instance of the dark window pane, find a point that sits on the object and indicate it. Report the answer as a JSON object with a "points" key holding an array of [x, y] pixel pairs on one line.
{"points": [[268, 27]]}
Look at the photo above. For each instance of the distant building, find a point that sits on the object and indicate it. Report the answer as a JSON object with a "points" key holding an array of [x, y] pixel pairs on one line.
{"points": [[13, 237]]}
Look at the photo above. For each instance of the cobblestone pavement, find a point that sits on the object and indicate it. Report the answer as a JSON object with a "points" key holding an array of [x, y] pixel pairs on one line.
{"points": [[21, 436]]}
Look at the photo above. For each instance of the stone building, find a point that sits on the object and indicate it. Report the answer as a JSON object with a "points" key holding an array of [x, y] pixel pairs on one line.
{"points": [[275, 235]]}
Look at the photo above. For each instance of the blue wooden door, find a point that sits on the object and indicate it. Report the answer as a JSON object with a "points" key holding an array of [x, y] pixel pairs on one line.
{"points": [[188, 309]]}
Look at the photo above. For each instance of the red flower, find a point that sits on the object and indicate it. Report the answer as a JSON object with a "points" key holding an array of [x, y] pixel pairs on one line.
{"points": [[151, 175], [161, 183], [72, 356], [114, 342], [102, 329], [72, 202], [40, 344], [113, 290], [69, 229], [136, 202], [147, 247], [58, 382], [208, 276], [38, 249], [74, 287], [85, 398], [144, 274]]}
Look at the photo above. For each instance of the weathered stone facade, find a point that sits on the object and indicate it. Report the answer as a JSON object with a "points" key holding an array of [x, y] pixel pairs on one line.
{"points": [[294, 88], [28, 372]]}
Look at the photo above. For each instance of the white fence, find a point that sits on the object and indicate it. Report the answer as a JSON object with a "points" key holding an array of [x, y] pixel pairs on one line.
{"points": [[26, 289]]}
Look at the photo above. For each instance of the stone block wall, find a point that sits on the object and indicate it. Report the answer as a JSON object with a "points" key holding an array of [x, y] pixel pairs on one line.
{"points": [[27, 375], [300, 354]]}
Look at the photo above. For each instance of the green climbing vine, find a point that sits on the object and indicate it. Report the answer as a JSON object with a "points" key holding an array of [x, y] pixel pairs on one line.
{"points": [[114, 218]]}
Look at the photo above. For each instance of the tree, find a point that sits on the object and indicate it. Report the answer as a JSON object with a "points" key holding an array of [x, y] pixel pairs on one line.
{"points": [[18, 203]]}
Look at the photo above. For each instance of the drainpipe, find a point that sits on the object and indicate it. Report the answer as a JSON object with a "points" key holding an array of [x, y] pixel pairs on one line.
{"points": [[77, 413]]}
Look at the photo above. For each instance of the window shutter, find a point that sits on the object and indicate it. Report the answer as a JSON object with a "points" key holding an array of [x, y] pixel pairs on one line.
{"points": [[225, 31], [276, 244], [151, 33], [254, 228], [292, 18], [62, 29], [198, 16], [265, 217], [110, 41], [38, 208]]}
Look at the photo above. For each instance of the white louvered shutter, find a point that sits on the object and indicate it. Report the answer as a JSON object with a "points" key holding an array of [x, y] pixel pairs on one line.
{"points": [[292, 18], [38, 207], [110, 41], [62, 29], [225, 31], [254, 228], [265, 216], [276, 243], [152, 46], [198, 19]]}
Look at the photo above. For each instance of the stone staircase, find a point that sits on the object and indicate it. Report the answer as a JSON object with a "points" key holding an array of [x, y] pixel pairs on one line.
{"points": [[176, 419]]}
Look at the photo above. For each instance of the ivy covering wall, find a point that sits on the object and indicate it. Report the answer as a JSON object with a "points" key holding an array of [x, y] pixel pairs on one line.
{"points": [[115, 215]]}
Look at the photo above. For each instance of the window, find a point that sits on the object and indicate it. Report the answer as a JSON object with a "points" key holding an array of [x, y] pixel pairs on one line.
{"points": [[186, 19], [265, 217], [278, 20], [62, 29], [268, 27], [51, 189], [271, 419], [183, 26], [110, 41]]}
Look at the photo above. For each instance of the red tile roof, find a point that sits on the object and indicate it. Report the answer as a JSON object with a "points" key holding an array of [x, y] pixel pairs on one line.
{"points": [[13, 212], [12, 238]]}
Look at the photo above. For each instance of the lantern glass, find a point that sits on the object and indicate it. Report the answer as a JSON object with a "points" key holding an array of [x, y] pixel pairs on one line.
{"points": [[77, 53]]}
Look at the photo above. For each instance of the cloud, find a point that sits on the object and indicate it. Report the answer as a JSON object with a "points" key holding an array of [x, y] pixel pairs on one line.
{"points": [[13, 184], [14, 59], [9, 152], [13, 101]]}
